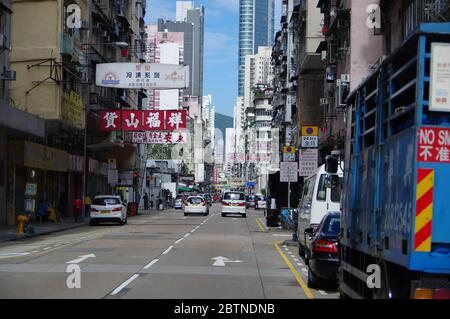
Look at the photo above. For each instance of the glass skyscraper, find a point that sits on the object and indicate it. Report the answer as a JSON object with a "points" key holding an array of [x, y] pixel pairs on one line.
{"points": [[256, 27]]}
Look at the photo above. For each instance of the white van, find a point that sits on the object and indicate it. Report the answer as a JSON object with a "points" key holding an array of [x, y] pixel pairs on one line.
{"points": [[321, 194]]}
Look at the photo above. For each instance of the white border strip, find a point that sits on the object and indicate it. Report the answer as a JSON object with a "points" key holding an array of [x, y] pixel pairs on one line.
{"points": [[126, 283]]}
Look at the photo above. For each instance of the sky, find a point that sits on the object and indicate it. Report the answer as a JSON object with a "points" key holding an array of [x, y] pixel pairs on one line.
{"points": [[221, 46]]}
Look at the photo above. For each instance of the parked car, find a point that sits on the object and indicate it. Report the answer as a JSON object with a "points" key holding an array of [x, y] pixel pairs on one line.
{"points": [[321, 194], [196, 205], [250, 201], [234, 203], [322, 252], [179, 202], [260, 202], [108, 208]]}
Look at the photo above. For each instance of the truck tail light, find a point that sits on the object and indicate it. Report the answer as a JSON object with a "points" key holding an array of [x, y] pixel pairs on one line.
{"points": [[324, 246], [421, 293]]}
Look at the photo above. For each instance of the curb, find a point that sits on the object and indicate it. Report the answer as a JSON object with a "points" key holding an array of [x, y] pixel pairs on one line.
{"points": [[26, 236]]}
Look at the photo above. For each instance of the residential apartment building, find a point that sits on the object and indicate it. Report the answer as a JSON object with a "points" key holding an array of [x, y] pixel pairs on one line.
{"points": [[55, 64]]}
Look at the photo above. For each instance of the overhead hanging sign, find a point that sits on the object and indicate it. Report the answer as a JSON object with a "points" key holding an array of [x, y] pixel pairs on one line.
{"points": [[154, 76], [440, 77], [138, 120], [159, 138]]}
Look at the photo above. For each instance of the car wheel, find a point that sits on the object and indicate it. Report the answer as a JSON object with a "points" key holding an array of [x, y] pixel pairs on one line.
{"points": [[185, 214], [301, 250], [313, 281], [244, 215], [223, 214], [93, 223]]}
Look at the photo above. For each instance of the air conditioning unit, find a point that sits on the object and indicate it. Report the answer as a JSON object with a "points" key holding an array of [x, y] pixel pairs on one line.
{"points": [[345, 78], [341, 94], [9, 75], [3, 41], [324, 101]]}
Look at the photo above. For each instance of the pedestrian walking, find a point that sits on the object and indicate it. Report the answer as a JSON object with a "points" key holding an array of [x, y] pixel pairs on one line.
{"points": [[152, 201], [77, 208], [41, 211], [146, 201], [62, 206], [87, 206]]}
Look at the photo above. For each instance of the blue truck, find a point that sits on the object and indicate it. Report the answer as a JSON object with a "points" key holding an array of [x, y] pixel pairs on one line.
{"points": [[395, 230]]}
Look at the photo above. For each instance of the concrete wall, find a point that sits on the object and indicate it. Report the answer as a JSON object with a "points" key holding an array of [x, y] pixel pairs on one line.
{"points": [[3, 158], [36, 36], [310, 89]]}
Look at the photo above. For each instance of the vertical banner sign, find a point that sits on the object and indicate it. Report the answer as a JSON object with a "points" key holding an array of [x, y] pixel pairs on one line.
{"points": [[440, 77], [424, 210]]}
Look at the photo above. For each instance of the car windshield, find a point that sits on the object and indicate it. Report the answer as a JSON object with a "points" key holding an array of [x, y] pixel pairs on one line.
{"points": [[106, 201], [195, 200], [234, 196], [251, 197], [332, 226], [261, 198]]}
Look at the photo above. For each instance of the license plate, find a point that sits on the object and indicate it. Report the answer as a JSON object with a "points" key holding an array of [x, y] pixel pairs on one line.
{"points": [[195, 205], [105, 212]]}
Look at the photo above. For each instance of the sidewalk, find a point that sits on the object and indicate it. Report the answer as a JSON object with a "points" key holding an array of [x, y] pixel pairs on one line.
{"points": [[9, 233]]}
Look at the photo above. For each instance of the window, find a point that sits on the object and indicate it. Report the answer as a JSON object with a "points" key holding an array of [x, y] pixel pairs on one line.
{"points": [[332, 226], [234, 196], [322, 190], [195, 200], [106, 201]]}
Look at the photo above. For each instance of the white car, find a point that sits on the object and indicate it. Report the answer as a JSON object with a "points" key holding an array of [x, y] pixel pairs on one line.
{"points": [[196, 205], [179, 202], [108, 209], [234, 203]]}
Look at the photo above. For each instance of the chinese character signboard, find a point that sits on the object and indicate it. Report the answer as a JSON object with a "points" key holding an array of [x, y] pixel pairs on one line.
{"points": [[308, 162], [159, 138], [110, 120], [153, 76], [434, 145], [138, 120], [440, 77], [289, 172]]}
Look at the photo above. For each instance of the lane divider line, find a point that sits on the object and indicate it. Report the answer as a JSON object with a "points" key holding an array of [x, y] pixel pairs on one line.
{"points": [[260, 225], [187, 235], [126, 283], [294, 271], [167, 250], [154, 261], [179, 240]]}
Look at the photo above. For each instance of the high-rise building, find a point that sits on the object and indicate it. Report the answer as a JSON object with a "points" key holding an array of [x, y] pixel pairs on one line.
{"points": [[193, 29], [256, 27], [182, 8], [209, 116]]}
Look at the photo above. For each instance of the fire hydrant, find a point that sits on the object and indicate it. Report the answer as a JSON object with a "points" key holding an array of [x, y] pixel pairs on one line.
{"points": [[22, 220]]}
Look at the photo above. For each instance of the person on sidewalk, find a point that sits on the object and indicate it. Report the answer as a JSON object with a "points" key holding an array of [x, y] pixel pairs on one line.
{"points": [[145, 201], [152, 201], [41, 211], [87, 206], [77, 209], [62, 207]]}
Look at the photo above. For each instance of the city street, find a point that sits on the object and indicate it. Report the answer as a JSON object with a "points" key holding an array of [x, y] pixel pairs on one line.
{"points": [[161, 255]]}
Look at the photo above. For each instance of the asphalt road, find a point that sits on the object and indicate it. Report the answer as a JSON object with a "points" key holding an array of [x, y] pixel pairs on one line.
{"points": [[163, 255]]}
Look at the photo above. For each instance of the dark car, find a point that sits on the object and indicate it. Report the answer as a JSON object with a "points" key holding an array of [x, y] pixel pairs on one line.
{"points": [[250, 201], [323, 254]]}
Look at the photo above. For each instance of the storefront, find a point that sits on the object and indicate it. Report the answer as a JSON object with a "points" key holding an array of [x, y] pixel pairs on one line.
{"points": [[35, 172]]}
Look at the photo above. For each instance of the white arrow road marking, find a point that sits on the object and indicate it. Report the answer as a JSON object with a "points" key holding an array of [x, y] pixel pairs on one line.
{"points": [[126, 283], [154, 261], [81, 259], [221, 261]]}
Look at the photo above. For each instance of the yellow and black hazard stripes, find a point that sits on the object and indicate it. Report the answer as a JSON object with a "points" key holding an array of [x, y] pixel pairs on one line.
{"points": [[424, 210]]}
